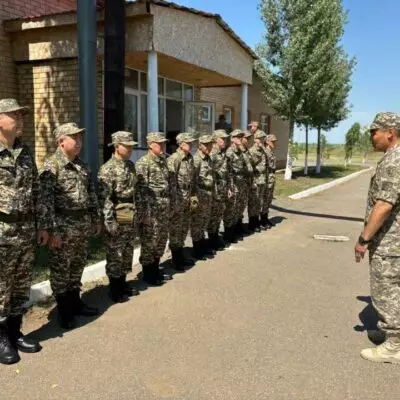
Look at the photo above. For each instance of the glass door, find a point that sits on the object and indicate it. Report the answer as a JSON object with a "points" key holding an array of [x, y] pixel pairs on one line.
{"points": [[199, 117]]}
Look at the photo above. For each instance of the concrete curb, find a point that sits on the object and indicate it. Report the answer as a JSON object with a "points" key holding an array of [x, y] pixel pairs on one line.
{"points": [[328, 185], [42, 290]]}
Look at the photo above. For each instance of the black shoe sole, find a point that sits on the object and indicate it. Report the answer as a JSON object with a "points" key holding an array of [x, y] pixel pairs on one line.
{"points": [[23, 350], [10, 362]]}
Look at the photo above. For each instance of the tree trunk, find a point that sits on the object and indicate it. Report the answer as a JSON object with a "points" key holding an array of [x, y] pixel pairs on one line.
{"points": [[306, 155], [114, 71], [318, 168], [288, 170]]}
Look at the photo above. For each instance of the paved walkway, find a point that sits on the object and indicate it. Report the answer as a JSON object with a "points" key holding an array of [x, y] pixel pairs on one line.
{"points": [[278, 316]]}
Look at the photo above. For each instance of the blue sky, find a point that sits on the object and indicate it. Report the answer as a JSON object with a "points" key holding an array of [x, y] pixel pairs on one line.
{"points": [[371, 35]]}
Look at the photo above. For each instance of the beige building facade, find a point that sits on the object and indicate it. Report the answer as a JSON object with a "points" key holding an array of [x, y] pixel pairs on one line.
{"points": [[174, 81]]}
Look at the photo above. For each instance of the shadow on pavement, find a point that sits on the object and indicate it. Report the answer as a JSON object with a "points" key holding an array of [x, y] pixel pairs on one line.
{"points": [[368, 317], [310, 214]]}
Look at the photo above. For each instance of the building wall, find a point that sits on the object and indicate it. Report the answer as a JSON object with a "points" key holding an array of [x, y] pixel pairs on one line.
{"points": [[14, 9], [232, 97], [51, 90]]}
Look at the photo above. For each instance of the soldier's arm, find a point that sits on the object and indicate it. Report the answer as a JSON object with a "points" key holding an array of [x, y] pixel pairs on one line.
{"points": [[94, 209], [173, 179], [142, 201], [107, 208]]}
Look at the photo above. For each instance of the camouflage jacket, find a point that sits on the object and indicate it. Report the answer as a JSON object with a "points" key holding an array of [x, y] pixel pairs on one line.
{"points": [[249, 164], [155, 189], [205, 179], [19, 186], [385, 185], [271, 160], [182, 172], [67, 186], [259, 158], [237, 168], [117, 184], [220, 166]]}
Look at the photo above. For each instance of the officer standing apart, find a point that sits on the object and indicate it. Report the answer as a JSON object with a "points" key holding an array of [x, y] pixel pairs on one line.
{"points": [[256, 199], [222, 191], [181, 167], [117, 187], [205, 190], [266, 223], [154, 196], [237, 175], [72, 213], [381, 236], [20, 218]]}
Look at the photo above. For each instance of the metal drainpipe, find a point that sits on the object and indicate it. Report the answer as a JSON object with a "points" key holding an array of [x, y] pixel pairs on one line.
{"points": [[87, 46]]}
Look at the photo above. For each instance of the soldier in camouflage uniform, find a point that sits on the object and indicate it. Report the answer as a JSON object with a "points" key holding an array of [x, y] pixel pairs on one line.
{"points": [[249, 188], [256, 199], [237, 176], [181, 167], [155, 194], [222, 190], [266, 223], [117, 181], [20, 218], [381, 236], [73, 215], [205, 188]]}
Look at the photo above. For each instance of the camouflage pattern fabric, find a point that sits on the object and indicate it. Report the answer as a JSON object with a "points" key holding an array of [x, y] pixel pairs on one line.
{"points": [[257, 196], [155, 193], [385, 185], [220, 165], [72, 212], [237, 175], [117, 184], [385, 120], [247, 188], [385, 246], [20, 206], [182, 170], [269, 191], [205, 189]]}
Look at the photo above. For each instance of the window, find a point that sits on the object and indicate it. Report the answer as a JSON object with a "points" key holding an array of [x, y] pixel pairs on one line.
{"points": [[188, 93], [228, 112], [174, 90], [265, 121], [131, 79], [131, 121]]}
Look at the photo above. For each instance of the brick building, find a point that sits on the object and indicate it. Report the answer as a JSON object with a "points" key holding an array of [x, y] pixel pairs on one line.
{"points": [[39, 66]]}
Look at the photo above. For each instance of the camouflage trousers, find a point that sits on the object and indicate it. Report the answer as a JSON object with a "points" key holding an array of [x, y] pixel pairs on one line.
{"points": [[119, 251], [201, 217], [217, 214], [16, 262], [256, 200], [179, 226], [242, 200], [230, 213], [269, 195], [385, 291], [154, 236], [68, 262]]}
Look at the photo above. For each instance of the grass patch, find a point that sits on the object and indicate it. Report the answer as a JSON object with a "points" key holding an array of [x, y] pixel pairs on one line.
{"points": [[300, 182]]}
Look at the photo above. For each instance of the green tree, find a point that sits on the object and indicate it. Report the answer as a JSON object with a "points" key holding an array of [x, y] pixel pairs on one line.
{"points": [[353, 137], [364, 144]]}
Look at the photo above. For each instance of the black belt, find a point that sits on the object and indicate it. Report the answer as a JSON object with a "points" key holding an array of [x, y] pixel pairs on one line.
{"points": [[72, 213], [14, 218], [128, 200]]}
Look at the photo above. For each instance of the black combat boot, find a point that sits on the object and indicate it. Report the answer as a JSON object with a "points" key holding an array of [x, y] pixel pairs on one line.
{"points": [[18, 340], [8, 354], [116, 291], [151, 275], [126, 288], [207, 249], [198, 251], [216, 243], [65, 313], [162, 275], [79, 307], [187, 262], [252, 225], [230, 235], [238, 229], [177, 258], [263, 222], [258, 223]]}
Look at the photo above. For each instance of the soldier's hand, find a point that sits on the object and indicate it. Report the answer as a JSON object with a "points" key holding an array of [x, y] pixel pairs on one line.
{"points": [[97, 229], [359, 252], [230, 194], [55, 242], [42, 237]]}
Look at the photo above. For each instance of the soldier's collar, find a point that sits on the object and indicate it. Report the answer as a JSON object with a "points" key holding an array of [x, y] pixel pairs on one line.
{"points": [[63, 160], [17, 145]]}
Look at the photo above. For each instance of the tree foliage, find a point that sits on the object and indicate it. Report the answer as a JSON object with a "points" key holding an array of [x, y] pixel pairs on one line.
{"points": [[353, 136]]}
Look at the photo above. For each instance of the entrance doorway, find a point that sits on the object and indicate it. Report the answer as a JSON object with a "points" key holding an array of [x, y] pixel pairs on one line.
{"points": [[174, 122]]}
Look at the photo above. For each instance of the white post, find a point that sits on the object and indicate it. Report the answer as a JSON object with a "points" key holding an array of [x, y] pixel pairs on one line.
{"points": [[245, 100], [152, 92]]}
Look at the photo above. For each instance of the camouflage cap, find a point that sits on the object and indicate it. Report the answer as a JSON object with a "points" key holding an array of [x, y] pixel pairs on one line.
{"points": [[260, 135], [68, 129], [248, 134], [385, 120], [271, 138], [205, 139], [254, 123], [220, 133], [157, 137], [122, 137], [186, 137], [11, 105], [237, 133]]}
